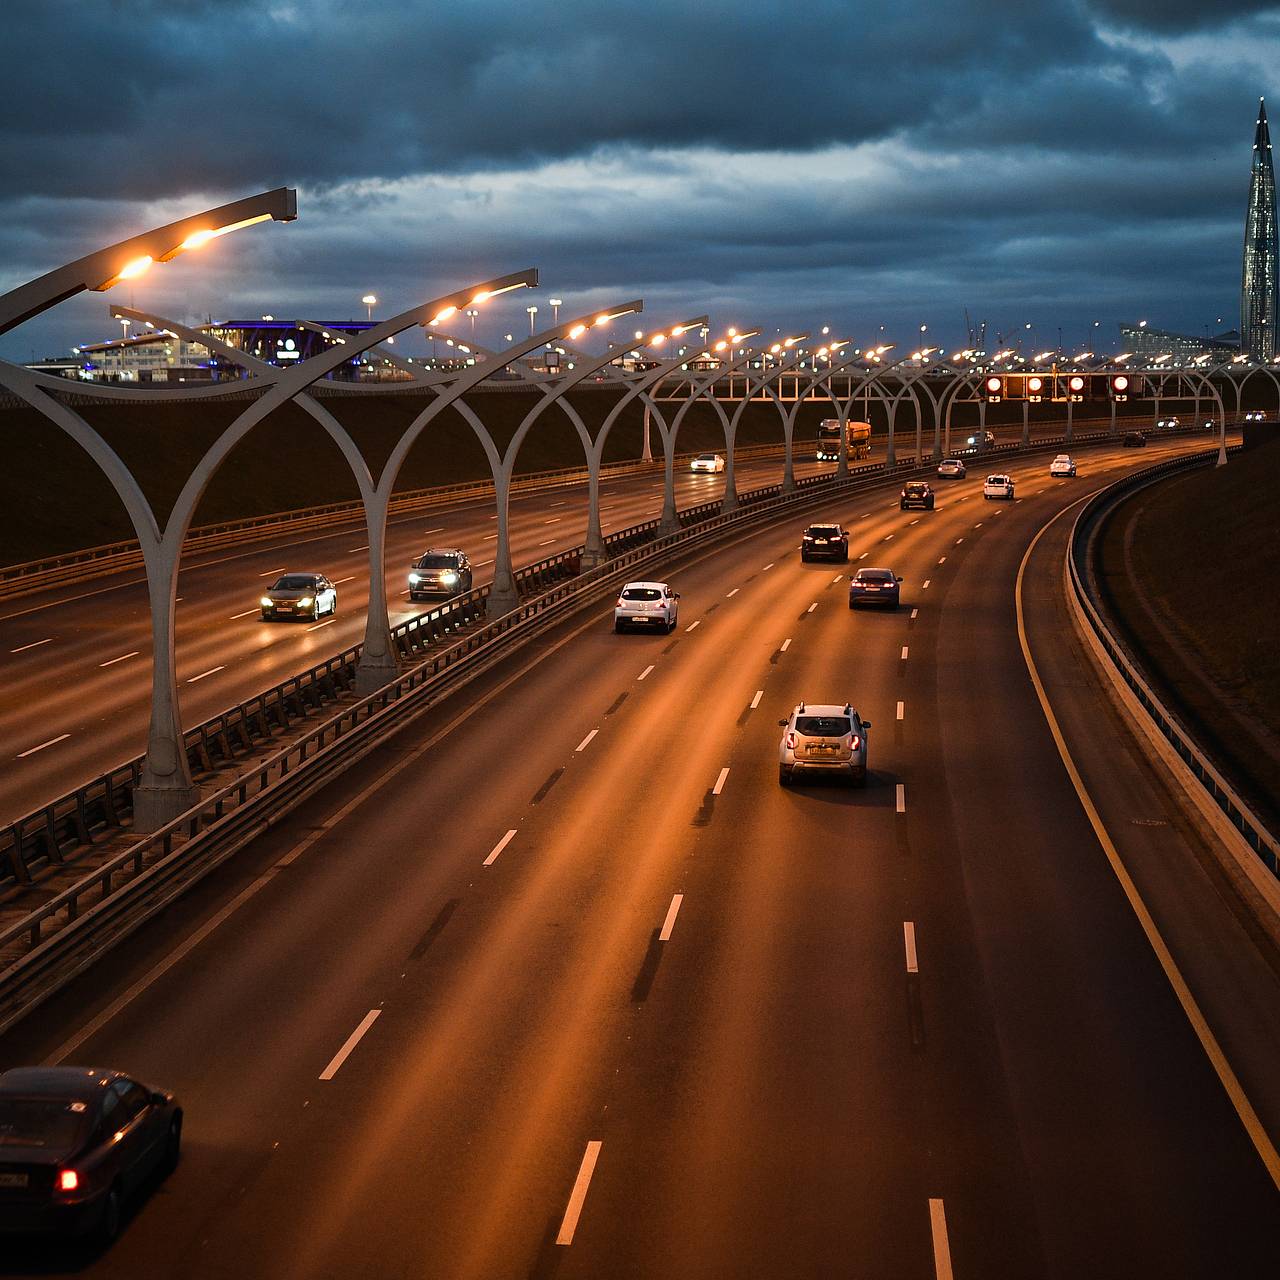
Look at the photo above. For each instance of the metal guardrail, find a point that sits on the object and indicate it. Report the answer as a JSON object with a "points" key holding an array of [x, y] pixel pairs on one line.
{"points": [[66, 934], [1079, 557], [115, 557]]}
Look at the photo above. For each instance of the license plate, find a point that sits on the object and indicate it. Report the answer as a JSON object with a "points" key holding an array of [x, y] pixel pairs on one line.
{"points": [[822, 751], [285, 608], [13, 1179]]}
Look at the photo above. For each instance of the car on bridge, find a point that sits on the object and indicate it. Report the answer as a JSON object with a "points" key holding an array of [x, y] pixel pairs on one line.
{"points": [[299, 595], [440, 572], [981, 440], [1134, 440], [712, 462], [822, 739], [1255, 415], [916, 493], [824, 542], [998, 486], [646, 604], [1168, 423], [875, 586], [75, 1144], [951, 469], [1063, 465]]}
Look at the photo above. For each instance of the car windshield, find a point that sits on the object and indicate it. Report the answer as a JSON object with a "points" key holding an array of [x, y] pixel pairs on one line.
{"points": [[438, 562], [40, 1122], [823, 726], [294, 582], [874, 575], [641, 593], [915, 487], [823, 530], [997, 479], [951, 462]]}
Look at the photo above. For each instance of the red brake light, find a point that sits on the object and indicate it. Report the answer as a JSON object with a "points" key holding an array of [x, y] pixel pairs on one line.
{"points": [[855, 743], [68, 1180], [791, 741]]}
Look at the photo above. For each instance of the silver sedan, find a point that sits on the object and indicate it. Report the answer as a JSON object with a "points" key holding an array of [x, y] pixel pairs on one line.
{"points": [[820, 738]]}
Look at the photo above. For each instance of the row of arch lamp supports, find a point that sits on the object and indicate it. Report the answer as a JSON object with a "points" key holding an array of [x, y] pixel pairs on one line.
{"points": [[166, 787]]}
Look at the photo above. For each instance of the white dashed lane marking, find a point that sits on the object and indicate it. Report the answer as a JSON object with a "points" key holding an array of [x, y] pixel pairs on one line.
{"points": [[900, 798], [720, 781], [755, 702], [352, 1040], [498, 848], [35, 644], [213, 671], [645, 672], [573, 1211], [111, 662], [30, 751], [670, 922], [909, 945], [586, 742]]}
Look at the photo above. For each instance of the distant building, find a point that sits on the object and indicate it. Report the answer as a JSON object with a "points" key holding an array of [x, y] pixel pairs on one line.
{"points": [[1143, 340], [1261, 251], [154, 356]]}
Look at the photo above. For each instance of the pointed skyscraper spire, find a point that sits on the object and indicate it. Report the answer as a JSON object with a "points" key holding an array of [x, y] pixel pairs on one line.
{"points": [[1258, 286]]}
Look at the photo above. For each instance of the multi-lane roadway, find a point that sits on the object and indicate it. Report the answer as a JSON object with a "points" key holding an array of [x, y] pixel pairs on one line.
{"points": [[562, 983]]}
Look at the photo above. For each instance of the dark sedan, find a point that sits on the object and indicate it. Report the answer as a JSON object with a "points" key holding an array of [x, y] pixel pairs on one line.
{"points": [[1134, 440], [75, 1143], [917, 493], [874, 586], [824, 542]]}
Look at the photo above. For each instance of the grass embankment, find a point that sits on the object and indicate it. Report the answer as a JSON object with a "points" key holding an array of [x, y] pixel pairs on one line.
{"points": [[1192, 566], [55, 500]]}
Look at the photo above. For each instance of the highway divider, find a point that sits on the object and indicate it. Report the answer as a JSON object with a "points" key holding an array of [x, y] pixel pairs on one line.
{"points": [[61, 937], [1255, 848]]}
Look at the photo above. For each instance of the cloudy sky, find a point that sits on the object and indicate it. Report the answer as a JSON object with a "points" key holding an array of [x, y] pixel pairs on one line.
{"points": [[1057, 162]]}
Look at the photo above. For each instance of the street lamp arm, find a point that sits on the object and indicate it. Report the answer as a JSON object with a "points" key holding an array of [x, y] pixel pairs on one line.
{"points": [[104, 267]]}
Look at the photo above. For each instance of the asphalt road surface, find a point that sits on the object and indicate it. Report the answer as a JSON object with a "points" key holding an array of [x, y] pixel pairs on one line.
{"points": [[562, 983]]}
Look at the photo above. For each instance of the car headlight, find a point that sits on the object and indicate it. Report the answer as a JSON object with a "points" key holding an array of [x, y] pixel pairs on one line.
{"points": [[449, 577], [266, 602], [414, 579], [306, 600]]}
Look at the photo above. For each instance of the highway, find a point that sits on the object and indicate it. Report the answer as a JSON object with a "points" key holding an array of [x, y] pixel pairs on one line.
{"points": [[562, 983], [76, 661]]}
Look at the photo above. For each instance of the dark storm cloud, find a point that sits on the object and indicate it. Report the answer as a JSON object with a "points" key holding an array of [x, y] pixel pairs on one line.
{"points": [[868, 162], [1178, 15]]}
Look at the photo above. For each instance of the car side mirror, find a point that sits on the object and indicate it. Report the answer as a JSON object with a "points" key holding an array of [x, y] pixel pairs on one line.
{"points": [[899, 579], [159, 1099], [866, 724], [782, 724]]}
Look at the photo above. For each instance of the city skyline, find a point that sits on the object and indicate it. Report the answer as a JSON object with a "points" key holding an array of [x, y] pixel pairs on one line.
{"points": [[1102, 180]]}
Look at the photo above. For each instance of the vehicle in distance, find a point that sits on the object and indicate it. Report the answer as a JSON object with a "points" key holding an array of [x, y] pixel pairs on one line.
{"points": [[75, 1143], [824, 542], [712, 462], [981, 439], [439, 572], [823, 739], [875, 586], [998, 486], [1255, 415], [917, 493], [646, 604], [857, 440], [951, 469], [1063, 465], [1168, 422], [1133, 440], [299, 595]]}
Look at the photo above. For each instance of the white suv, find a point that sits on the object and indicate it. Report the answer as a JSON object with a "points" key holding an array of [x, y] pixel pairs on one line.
{"points": [[998, 486], [822, 738], [646, 604], [1063, 465]]}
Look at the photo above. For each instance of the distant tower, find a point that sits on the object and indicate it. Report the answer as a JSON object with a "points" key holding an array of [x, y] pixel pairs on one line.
{"points": [[1261, 251]]}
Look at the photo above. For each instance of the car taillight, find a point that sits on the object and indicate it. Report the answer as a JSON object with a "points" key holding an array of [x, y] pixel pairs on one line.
{"points": [[68, 1180], [791, 741], [855, 742]]}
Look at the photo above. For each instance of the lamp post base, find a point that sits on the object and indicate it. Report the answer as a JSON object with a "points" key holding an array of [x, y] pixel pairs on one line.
{"points": [[501, 600], [373, 674], [154, 806]]}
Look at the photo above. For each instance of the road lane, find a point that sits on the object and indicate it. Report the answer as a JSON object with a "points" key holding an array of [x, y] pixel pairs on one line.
{"points": [[774, 1086]]}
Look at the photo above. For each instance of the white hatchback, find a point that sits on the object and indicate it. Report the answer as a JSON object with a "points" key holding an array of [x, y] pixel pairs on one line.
{"points": [[1063, 465], [712, 462], [646, 604], [998, 486]]}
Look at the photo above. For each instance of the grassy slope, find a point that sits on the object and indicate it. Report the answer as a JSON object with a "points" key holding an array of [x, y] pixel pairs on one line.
{"points": [[1204, 552]]}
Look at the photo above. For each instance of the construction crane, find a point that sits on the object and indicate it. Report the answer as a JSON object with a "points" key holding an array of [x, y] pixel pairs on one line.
{"points": [[977, 337]]}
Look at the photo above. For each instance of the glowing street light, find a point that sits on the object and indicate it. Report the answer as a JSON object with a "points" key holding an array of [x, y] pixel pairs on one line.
{"points": [[556, 304], [370, 302], [531, 311]]}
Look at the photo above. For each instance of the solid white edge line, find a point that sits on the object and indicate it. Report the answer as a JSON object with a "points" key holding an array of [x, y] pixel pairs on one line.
{"points": [[30, 751], [720, 781], [498, 848], [669, 923], [573, 1210], [586, 742], [755, 702], [902, 710], [941, 1246], [1230, 1082], [909, 945], [111, 662], [352, 1040], [900, 798], [645, 672]]}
